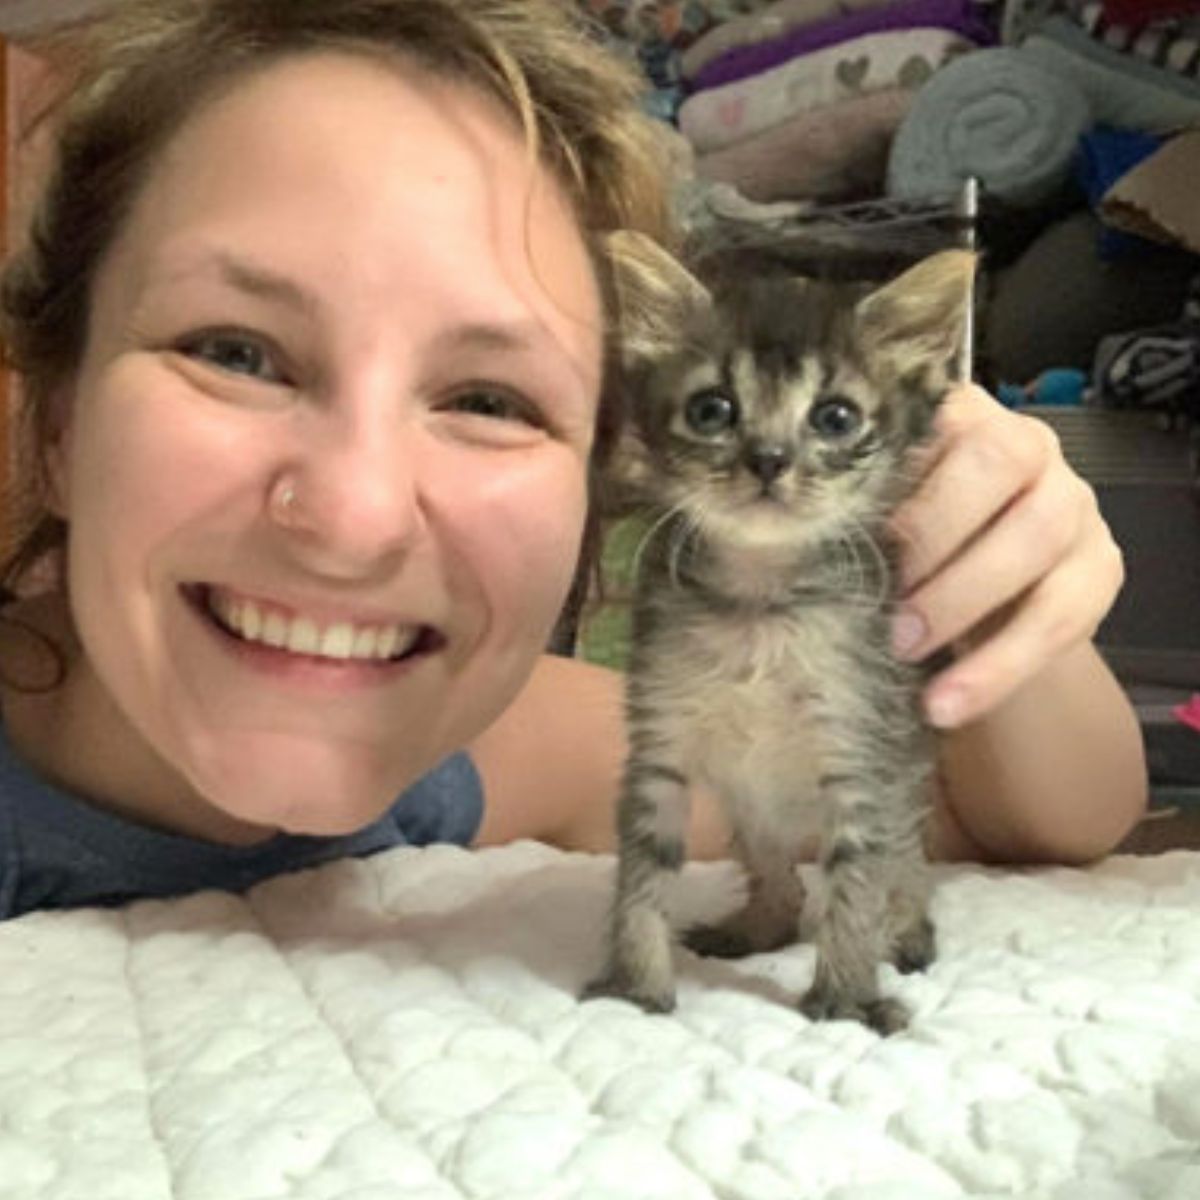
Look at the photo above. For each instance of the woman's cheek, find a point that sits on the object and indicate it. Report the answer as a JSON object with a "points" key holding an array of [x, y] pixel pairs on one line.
{"points": [[528, 532]]}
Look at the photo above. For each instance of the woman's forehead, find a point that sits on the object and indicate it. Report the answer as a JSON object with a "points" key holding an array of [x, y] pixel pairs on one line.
{"points": [[335, 167]]}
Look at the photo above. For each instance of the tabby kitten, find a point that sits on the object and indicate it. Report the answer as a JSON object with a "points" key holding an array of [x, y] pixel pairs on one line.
{"points": [[773, 424]]}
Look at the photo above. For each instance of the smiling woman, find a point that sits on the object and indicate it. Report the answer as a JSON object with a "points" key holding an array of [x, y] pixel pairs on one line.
{"points": [[316, 356]]}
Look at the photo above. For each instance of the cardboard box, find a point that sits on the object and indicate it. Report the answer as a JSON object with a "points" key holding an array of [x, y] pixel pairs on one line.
{"points": [[1160, 197]]}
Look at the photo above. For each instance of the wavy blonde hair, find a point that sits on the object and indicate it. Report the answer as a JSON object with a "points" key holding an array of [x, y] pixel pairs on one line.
{"points": [[138, 73]]}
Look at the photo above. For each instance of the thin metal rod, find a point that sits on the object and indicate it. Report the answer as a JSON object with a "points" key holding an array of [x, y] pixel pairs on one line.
{"points": [[968, 210]]}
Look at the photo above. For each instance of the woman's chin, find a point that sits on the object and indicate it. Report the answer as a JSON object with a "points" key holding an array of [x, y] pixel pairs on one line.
{"points": [[310, 798]]}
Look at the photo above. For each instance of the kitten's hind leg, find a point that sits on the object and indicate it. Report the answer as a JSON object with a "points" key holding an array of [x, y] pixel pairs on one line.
{"points": [[769, 920], [651, 821]]}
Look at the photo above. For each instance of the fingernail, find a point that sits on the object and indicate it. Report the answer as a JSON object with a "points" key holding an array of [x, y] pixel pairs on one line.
{"points": [[945, 708], [908, 632]]}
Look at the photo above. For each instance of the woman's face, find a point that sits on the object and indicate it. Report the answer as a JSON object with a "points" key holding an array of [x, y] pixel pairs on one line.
{"points": [[343, 280]]}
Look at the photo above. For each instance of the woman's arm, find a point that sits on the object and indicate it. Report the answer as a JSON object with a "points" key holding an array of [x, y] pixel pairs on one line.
{"points": [[551, 765], [1055, 773], [1007, 558]]}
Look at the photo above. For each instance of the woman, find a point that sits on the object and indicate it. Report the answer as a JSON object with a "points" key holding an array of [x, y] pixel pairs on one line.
{"points": [[312, 330]]}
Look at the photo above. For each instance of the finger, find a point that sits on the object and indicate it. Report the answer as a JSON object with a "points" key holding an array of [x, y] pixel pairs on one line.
{"points": [[982, 469], [1026, 542], [1043, 623], [996, 668]]}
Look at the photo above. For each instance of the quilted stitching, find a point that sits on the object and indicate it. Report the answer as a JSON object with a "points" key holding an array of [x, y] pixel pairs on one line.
{"points": [[406, 1026]]}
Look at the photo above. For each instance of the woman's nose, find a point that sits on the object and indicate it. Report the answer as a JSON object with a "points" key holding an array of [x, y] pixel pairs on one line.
{"points": [[351, 497]]}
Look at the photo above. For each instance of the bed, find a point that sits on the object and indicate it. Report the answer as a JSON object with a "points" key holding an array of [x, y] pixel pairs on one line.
{"points": [[407, 1026]]}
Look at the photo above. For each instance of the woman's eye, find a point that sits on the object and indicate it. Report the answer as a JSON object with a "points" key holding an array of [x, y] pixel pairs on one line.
{"points": [[495, 403], [238, 354], [836, 417]]}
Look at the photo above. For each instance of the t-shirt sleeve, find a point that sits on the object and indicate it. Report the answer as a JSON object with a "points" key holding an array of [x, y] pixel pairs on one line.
{"points": [[444, 806]]}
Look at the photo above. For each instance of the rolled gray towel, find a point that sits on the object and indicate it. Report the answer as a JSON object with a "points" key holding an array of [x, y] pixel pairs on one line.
{"points": [[997, 115]]}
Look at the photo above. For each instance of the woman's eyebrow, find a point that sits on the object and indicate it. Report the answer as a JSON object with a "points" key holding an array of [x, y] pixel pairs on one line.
{"points": [[264, 283], [502, 335], [519, 338], [511, 334], [236, 271], [514, 334], [241, 274]]}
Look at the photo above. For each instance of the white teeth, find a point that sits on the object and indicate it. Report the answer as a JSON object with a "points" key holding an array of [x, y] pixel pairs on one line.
{"points": [[252, 622], [365, 642], [386, 645], [338, 641], [275, 630], [302, 635]]}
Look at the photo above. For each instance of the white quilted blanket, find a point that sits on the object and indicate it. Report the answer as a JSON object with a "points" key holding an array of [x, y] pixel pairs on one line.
{"points": [[407, 1027]]}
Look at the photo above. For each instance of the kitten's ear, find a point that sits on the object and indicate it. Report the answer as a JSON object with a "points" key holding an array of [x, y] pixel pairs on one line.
{"points": [[916, 323], [655, 294]]}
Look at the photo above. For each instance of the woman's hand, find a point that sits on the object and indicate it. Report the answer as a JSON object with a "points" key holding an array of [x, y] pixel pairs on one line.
{"points": [[1004, 556]]}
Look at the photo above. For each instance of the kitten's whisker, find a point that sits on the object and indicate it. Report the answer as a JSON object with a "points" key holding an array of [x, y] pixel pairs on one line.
{"points": [[647, 537], [847, 540], [688, 529], [881, 562]]}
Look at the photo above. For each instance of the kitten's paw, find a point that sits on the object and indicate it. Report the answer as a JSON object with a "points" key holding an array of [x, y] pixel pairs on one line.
{"points": [[717, 941], [916, 947], [881, 1013], [612, 987], [886, 1015]]}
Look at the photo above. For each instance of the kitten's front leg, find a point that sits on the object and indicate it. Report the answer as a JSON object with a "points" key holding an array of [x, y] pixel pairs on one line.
{"points": [[876, 881], [651, 823], [851, 941]]}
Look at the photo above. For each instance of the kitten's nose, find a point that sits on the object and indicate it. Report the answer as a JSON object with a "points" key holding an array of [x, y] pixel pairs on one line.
{"points": [[768, 462]]}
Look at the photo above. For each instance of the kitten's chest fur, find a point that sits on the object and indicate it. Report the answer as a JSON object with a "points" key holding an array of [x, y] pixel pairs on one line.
{"points": [[740, 658]]}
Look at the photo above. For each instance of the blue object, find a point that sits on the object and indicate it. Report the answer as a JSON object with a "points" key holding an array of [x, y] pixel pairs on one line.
{"points": [[56, 851], [1106, 154], [1012, 395], [1059, 386]]}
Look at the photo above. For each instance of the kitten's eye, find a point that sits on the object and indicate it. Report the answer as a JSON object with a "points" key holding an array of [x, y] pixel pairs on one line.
{"points": [[235, 352], [711, 412], [836, 417]]}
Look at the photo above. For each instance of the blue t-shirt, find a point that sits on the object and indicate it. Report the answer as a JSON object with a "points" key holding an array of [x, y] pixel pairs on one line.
{"points": [[58, 852]]}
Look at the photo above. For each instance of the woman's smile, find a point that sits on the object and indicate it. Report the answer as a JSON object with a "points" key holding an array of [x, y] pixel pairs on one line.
{"points": [[301, 645]]}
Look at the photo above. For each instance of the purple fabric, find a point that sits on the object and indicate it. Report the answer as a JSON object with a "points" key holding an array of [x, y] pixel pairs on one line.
{"points": [[959, 16]]}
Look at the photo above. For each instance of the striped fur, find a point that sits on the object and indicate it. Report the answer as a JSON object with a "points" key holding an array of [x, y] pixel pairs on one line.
{"points": [[760, 665]]}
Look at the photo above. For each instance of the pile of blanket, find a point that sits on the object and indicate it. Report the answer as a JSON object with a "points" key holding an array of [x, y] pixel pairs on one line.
{"points": [[801, 99], [1013, 116], [843, 100]]}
